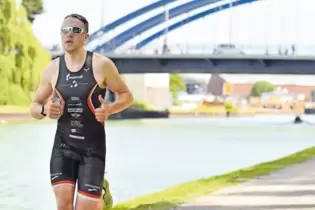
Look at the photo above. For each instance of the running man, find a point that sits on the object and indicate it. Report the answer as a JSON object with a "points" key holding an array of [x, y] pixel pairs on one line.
{"points": [[72, 90]]}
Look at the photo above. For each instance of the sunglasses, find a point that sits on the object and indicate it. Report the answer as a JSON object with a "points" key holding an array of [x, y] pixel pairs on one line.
{"points": [[73, 29]]}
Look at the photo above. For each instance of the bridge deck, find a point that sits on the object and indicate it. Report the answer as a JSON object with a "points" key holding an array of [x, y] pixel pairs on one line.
{"points": [[208, 56], [209, 63]]}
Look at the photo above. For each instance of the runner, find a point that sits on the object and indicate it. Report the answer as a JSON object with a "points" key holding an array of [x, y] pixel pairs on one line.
{"points": [[72, 90]]}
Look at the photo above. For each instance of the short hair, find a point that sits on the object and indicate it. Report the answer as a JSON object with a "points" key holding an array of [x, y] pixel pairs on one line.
{"points": [[81, 18]]}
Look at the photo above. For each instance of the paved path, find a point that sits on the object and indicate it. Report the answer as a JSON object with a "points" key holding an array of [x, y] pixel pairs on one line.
{"points": [[292, 188]]}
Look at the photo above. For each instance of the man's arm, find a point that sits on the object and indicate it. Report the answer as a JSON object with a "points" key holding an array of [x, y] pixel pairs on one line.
{"points": [[117, 85], [42, 93]]}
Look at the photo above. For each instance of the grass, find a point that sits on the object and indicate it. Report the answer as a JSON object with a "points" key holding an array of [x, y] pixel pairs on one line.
{"points": [[173, 196]]}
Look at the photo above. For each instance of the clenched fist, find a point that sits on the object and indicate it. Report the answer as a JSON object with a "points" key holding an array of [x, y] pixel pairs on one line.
{"points": [[102, 113]]}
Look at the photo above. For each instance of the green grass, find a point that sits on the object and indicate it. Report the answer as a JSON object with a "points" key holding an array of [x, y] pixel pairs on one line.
{"points": [[173, 196]]}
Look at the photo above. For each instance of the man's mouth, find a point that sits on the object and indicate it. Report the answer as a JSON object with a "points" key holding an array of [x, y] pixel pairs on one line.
{"points": [[69, 42]]}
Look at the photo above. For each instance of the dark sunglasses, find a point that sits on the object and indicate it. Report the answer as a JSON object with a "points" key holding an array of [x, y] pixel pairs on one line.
{"points": [[73, 29]]}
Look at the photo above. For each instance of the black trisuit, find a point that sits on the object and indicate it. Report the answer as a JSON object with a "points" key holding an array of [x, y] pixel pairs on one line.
{"points": [[79, 150]]}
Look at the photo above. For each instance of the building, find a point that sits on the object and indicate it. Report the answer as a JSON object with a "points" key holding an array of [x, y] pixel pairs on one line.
{"points": [[241, 84], [196, 83], [151, 89]]}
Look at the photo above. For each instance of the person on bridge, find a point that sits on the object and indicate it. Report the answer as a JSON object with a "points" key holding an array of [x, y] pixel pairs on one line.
{"points": [[72, 90]]}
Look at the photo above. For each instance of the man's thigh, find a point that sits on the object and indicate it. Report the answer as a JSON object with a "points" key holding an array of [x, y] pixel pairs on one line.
{"points": [[90, 183], [64, 166]]}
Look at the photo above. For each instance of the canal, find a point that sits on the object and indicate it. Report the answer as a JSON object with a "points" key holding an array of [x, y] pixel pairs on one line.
{"points": [[148, 155]]}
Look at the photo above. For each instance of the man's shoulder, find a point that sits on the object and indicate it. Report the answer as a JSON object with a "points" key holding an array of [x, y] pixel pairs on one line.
{"points": [[101, 58], [102, 61]]}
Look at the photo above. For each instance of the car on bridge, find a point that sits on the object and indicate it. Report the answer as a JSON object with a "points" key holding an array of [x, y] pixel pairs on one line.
{"points": [[227, 49]]}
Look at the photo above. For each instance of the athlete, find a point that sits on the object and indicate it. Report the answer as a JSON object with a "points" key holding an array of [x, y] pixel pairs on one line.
{"points": [[72, 90]]}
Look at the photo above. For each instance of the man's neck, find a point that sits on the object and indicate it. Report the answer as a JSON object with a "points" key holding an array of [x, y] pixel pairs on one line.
{"points": [[76, 57]]}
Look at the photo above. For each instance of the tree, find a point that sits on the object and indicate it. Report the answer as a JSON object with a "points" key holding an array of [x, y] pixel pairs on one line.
{"points": [[177, 83], [22, 57], [33, 7], [261, 87]]}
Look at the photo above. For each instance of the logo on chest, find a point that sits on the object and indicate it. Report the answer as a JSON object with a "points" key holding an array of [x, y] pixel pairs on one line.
{"points": [[74, 81]]}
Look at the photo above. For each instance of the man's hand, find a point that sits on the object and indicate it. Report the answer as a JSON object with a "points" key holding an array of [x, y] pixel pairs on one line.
{"points": [[102, 113], [53, 110]]}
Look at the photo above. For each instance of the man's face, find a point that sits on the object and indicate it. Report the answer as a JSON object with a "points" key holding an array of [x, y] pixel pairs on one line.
{"points": [[73, 34]]}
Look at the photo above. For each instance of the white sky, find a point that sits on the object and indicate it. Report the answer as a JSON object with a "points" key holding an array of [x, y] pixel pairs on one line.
{"points": [[262, 22]]}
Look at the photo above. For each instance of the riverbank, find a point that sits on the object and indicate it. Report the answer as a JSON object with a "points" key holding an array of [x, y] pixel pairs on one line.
{"points": [[16, 113], [189, 192], [290, 188]]}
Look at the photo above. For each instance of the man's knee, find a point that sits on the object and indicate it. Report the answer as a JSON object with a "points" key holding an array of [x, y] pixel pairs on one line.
{"points": [[64, 206], [87, 204], [64, 197]]}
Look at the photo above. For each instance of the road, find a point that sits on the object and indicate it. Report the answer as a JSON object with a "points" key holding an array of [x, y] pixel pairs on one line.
{"points": [[292, 188]]}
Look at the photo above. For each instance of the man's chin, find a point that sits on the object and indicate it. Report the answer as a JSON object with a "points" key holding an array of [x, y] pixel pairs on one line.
{"points": [[70, 49]]}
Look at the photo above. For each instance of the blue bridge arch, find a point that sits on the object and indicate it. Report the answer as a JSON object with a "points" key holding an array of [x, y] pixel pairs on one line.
{"points": [[146, 25], [127, 18], [187, 20], [158, 19]]}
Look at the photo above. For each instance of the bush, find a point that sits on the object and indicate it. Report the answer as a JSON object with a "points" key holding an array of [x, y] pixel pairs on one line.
{"points": [[141, 105], [22, 57]]}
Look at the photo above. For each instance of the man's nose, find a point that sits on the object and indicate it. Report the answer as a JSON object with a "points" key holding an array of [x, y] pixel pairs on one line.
{"points": [[69, 34]]}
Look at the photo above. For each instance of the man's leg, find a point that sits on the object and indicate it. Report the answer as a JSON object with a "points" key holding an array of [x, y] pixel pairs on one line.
{"points": [[90, 184], [63, 172], [64, 197]]}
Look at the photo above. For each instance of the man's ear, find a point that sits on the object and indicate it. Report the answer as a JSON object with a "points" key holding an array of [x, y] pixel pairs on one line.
{"points": [[86, 37]]}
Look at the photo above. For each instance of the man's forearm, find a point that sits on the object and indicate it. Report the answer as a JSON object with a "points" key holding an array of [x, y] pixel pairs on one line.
{"points": [[123, 102], [35, 109]]}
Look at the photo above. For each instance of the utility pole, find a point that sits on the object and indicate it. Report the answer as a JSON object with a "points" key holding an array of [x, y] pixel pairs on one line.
{"points": [[102, 13], [166, 18], [230, 24]]}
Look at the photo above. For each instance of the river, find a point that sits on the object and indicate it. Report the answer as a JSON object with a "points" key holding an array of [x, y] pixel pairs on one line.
{"points": [[148, 155]]}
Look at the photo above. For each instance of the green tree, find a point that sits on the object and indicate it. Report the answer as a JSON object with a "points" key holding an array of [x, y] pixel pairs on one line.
{"points": [[177, 83], [22, 57], [261, 87], [33, 7]]}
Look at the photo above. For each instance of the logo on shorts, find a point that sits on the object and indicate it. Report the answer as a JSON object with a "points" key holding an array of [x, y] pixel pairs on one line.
{"points": [[55, 175], [92, 188]]}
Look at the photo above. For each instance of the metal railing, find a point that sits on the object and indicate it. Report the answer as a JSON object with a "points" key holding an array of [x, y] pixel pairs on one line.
{"points": [[241, 49]]}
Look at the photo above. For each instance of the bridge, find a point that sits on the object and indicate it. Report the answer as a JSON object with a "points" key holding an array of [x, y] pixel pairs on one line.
{"points": [[208, 63], [134, 60]]}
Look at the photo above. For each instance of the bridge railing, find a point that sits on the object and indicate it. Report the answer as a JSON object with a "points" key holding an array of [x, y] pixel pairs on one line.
{"points": [[241, 49]]}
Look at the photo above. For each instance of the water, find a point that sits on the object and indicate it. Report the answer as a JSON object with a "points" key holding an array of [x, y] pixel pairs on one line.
{"points": [[146, 156]]}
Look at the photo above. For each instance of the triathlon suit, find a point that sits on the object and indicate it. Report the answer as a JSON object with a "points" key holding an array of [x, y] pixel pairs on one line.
{"points": [[78, 154]]}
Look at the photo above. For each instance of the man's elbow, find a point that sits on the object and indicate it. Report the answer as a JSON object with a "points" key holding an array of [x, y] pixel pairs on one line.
{"points": [[130, 98]]}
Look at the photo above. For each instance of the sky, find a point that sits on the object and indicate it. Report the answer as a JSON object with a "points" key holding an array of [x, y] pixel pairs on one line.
{"points": [[270, 22]]}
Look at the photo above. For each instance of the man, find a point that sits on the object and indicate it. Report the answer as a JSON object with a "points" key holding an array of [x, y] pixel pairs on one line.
{"points": [[72, 90]]}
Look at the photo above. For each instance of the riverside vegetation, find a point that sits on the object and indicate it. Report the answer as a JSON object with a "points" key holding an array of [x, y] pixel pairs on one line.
{"points": [[22, 56]]}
